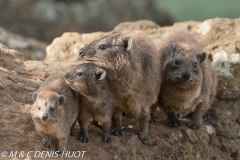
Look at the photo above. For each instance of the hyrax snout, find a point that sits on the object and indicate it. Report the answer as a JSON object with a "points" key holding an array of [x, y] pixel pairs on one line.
{"points": [[97, 100], [55, 111]]}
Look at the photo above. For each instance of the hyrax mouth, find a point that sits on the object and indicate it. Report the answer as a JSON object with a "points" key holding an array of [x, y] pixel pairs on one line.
{"points": [[71, 83], [90, 59], [183, 80], [68, 80], [186, 80]]}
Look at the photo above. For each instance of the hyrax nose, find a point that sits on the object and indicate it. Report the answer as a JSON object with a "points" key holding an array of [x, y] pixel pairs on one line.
{"points": [[44, 117], [186, 74], [66, 75], [81, 53]]}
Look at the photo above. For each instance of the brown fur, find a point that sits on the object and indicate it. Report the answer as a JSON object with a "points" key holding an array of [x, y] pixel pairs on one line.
{"points": [[59, 103], [97, 99], [188, 80], [133, 74]]}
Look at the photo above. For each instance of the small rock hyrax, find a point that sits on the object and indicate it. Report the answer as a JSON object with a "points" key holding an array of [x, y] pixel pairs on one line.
{"points": [[188, 79], [55, 111], [133, 68], [97, 100]]}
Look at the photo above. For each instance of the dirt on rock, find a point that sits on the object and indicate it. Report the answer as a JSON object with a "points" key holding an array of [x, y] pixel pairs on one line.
{"points": [[217, 139]]}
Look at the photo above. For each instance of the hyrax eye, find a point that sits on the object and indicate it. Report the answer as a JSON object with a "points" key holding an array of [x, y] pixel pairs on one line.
{"points": [[39, 108], [103, 46], [177, 62], [51, 109], [195, 65], [79, 73]]}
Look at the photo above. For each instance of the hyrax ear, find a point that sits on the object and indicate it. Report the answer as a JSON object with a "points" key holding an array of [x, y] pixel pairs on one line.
{"points": [[61, 99], [171, 49], [34, 96], [201, 57], [100, 74], [127, 41]]}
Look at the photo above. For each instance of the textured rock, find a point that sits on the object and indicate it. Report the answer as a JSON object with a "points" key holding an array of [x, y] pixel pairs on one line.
{"points": [[144, 25], [32, 49], [219, 138], [11, 59], [67, 46]]}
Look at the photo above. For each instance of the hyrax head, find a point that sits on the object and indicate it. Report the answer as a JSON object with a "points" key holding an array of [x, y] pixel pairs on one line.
{"points": [[86, 78], [183, 65], [47, 105], [108, 48]]}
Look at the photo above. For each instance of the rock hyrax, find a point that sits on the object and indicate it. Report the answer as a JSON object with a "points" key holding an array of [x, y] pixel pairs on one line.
{"points": [[97, 100], [188, 80], [133, 67], [55, 111]]}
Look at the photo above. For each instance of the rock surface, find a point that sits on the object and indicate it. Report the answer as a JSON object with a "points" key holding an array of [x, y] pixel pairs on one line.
{"points": [[219, 138], [66, 47], [31, 48]]}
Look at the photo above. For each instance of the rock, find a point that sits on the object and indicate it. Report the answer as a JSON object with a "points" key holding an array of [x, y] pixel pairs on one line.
{"points": [[145, 25], [32, 49], [2, 46], [67, 46], [218, 138], [11, 59]]}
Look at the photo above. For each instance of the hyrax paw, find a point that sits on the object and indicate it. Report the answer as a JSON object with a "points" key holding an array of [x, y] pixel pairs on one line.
{"points": [[174, 123], [193, 125], [63, 153], [107, 139], [46, 144], [206, 117], [61, 150], [144, 139], [152, 121], [117, 132], [84, 139]]}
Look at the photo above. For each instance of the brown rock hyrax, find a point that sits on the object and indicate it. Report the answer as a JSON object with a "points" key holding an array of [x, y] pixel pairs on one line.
{"points": [[188, 80], [55, 111], [133, 68], [97, 100]]}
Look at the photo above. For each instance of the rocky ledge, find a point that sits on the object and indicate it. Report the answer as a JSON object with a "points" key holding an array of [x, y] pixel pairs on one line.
{"points": [[218, 138]]}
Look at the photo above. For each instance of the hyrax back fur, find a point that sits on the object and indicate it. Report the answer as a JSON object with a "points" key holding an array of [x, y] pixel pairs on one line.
{"points": [[97, 100], [188, 80], [132, 63], [55, 111]]}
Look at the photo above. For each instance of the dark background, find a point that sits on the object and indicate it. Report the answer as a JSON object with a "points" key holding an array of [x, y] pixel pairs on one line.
{"points": [[46, 19]]}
